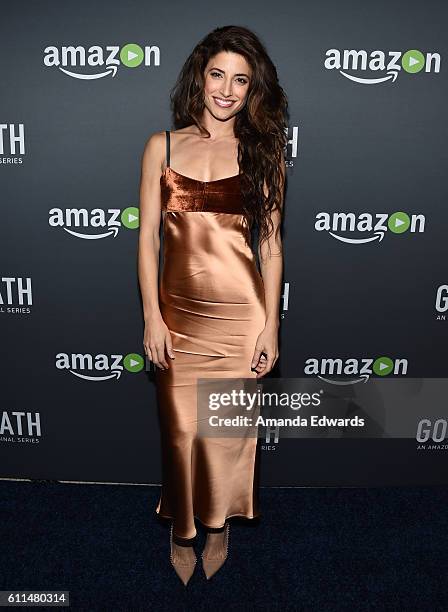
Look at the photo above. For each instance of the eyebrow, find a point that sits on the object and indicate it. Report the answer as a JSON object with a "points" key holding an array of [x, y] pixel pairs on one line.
{"points": [[238, 74]]}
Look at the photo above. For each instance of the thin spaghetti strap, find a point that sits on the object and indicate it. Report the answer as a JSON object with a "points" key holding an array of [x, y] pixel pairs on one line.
{"points": [[167, 134]]}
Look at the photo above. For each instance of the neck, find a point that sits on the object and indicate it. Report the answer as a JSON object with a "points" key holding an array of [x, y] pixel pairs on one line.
{"points": [[218, 129]]}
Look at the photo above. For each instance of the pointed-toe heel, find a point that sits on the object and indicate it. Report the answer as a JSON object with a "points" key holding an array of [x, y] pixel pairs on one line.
{"points": [[183, 570], [211, 566]]}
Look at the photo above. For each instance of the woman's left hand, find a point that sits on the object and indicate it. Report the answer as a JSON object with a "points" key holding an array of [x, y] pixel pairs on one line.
{"points": [[266, 351]]}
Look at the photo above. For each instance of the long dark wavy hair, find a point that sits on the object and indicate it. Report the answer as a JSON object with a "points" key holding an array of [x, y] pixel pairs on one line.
{"points": [[260, 126]]}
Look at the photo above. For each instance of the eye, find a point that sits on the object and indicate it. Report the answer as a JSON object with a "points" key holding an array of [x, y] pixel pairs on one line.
{"points": [[241, 80]]}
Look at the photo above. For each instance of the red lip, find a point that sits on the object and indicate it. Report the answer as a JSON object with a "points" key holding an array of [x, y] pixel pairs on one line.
{"points": [[223, 100]]}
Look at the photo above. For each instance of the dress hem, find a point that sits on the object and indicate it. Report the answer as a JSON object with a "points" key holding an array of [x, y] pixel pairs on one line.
{"points": [[166, 516]]}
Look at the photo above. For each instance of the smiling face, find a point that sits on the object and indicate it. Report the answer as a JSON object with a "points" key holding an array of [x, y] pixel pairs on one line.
{"points": [[227, 81]]}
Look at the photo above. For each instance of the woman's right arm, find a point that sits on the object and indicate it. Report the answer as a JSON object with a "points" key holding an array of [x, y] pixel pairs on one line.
{"points": [[157, 336]]}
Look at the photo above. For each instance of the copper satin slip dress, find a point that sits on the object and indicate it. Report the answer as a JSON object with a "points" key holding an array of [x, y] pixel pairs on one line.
{"points": [[211, 297]]}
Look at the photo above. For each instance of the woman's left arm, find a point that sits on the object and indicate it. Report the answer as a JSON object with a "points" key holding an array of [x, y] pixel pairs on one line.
{"points": [[270, 254]]}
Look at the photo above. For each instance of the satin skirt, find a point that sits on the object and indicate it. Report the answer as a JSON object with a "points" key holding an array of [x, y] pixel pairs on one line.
{"points": [[211, 297]]}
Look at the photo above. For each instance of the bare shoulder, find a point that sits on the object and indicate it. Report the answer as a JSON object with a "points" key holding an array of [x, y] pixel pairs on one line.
{"points": [[154, 150]]}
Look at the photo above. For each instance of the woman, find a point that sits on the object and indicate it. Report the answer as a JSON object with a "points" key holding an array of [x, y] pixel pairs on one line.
{"points": [[213, 315]]}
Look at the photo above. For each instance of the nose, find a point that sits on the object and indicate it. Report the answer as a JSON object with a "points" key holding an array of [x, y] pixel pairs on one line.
{"points": [[226, 88]]}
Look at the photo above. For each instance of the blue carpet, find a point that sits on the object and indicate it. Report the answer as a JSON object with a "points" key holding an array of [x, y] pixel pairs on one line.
{"points": [[313, 549]]}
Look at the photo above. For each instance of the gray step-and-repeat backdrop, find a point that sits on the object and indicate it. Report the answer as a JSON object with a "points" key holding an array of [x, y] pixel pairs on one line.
{"points": [[365, 232]]}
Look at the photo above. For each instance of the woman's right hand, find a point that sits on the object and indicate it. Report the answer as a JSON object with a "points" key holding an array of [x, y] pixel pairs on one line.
{"points": [[156, 338]]}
